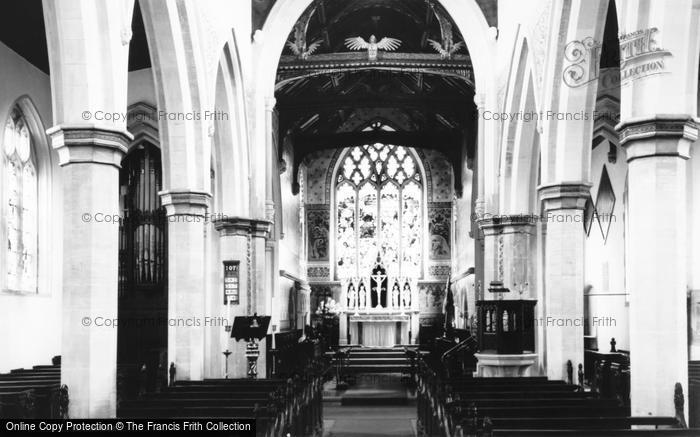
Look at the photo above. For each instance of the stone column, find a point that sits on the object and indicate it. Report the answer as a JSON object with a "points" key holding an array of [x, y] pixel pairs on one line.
{"points": [[239, 237], [563, 275], [492, 260], [343, 316], [694, 251], [414, 326], [273, 213], [186, 212], [480, 269], [90, 158], [657, 152]]}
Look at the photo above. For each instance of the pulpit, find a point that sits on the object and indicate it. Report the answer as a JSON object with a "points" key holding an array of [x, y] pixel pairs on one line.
{"points": [[506, 326], [506, 337], [379, 310]]}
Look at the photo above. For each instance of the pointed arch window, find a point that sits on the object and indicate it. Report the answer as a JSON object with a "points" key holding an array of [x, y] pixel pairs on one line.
{"points": [[379, 204], [20, 198]]}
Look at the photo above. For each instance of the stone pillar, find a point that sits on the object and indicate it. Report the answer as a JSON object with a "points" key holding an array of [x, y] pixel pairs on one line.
{"points": [[657, 152], [492, 258], [415, 326], [480, 201], [694, 251], [343, 316], [238, 242], [90, 158], [273, 213], [480, 269], [563, 275], [186, 212]]}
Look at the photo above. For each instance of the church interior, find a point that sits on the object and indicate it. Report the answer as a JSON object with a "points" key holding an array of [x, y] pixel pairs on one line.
{"points": [[353, 217]]}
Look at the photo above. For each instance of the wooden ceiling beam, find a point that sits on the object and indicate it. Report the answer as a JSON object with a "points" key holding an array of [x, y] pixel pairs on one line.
{"points": [[331, 103], [323, 22]]}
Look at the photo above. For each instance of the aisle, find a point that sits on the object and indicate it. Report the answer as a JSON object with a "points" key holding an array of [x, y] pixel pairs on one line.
{"points": [[377, 405]]}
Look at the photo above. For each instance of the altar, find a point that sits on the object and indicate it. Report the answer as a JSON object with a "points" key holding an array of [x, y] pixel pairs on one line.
{"points": [[379, 330], [379, 311]]}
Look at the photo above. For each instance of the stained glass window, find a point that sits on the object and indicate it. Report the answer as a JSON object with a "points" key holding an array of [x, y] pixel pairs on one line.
{"points": [[20, 205], [379, 194]]}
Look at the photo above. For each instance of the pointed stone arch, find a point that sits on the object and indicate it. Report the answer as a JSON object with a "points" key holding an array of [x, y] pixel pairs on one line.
{"points": [[176, 59], [230, 146], [519, 151]]}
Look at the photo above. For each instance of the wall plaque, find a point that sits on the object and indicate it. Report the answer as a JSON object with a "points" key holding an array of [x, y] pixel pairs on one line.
{"points": [[231, 282]]}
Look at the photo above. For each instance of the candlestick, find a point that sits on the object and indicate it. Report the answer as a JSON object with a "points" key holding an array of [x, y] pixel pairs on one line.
{"points": [[226, 354]]}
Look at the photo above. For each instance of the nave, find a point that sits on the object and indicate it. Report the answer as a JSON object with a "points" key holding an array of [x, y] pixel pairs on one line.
{"points": [[479, 216]]}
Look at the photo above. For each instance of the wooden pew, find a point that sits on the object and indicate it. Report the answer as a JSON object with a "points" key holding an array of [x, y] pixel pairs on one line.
{"points": [[279, 406], [526, 407], [31, 393], [599, 433]]}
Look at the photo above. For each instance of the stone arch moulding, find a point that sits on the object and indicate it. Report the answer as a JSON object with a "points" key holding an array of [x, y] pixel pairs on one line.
{"points": [[142, 123], [180, 89], [519, 133], [230, 135], [88, 77], [575, 25]]}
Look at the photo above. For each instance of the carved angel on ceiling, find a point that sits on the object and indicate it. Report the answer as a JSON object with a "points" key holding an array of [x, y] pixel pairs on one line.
{"points": [[298, 46], [447, 48], [301, 50], [373, 46]]}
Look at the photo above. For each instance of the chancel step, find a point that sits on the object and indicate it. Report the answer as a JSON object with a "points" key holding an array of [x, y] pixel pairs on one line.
{"points": [[376, 360]]}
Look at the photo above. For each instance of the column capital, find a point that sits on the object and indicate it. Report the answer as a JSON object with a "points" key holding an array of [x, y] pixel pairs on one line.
{"points": [[244, 226], [89, 143], [185, 202], [564, 195], [507, 224], [640, 136]]}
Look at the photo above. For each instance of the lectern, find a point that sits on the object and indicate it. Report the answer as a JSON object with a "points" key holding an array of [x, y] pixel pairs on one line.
{"points": [[251, 329]]}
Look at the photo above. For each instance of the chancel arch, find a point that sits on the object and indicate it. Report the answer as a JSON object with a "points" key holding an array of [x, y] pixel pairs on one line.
{"points": [[468, 18]]}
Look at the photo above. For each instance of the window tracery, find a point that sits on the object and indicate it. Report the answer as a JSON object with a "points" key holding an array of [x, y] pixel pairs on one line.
{"points": [[379, 201], [21, 204]]}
